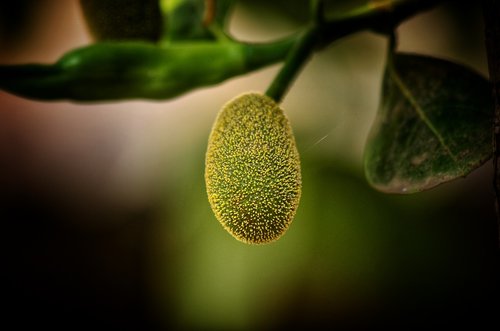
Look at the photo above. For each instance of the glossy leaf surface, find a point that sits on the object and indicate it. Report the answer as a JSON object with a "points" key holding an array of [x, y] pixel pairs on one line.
{"points": [[433, 125]]}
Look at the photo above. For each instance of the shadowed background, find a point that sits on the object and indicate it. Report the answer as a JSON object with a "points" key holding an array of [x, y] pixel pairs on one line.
{"points": [[106, 224]]}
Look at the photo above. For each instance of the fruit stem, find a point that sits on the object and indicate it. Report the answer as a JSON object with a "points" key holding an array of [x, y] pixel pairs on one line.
{"points": [[294, 62]]}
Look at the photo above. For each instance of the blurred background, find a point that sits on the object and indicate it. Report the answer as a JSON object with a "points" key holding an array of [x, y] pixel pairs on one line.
{"points": [[106, 224]]}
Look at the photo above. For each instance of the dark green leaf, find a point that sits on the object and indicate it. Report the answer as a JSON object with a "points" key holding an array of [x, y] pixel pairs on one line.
{"points": [[434, 124], [123, 19]]}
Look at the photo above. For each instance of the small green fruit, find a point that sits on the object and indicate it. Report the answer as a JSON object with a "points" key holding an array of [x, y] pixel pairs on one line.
{"points": [[253, 169]]}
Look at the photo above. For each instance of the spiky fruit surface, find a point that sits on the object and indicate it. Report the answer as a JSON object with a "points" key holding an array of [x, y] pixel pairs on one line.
{"points": [[252, 170]]}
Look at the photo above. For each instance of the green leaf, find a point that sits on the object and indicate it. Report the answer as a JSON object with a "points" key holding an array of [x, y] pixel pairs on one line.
{"points": [[434, 124]]}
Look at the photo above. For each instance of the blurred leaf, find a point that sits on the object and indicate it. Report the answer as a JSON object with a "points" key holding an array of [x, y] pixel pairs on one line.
{"points": [[123, 19], [433, 125], [194, 19]]}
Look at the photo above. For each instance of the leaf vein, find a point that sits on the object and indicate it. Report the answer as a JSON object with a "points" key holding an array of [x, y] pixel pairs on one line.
{"points": [[411, 99]]}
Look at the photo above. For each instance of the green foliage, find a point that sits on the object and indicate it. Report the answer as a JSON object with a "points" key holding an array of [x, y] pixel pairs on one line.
{"points": [[191, 54], [433, 125], [434, 122], [195, 29]]}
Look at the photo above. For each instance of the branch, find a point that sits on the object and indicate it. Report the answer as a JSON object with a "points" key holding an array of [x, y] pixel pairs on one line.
{"points": [[140, 70], [379, 16]]}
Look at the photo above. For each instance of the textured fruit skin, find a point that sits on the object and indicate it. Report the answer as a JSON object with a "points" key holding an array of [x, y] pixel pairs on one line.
{"points": [[252, 169]]}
